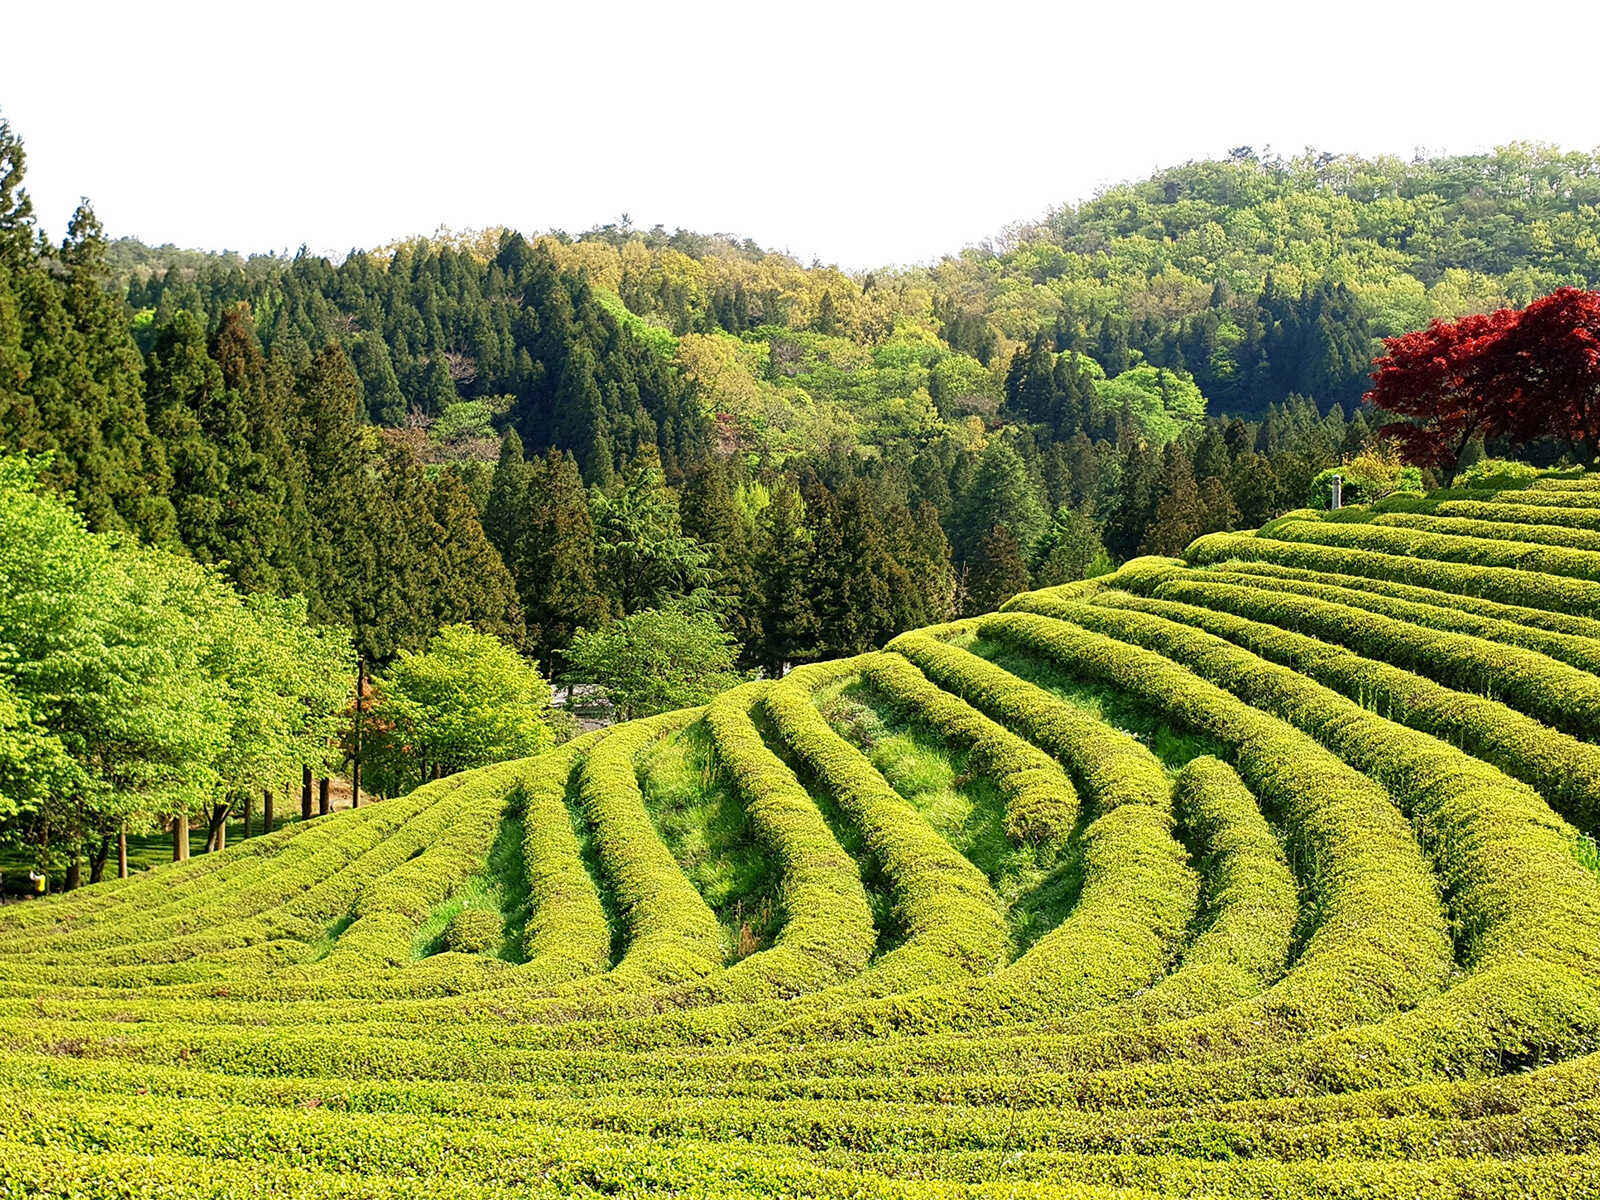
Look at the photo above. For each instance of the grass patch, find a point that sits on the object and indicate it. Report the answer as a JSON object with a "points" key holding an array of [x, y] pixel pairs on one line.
{"points": [[1174, 747], [1037, 886], [1588, 852], [704, 824], [500, 887]]}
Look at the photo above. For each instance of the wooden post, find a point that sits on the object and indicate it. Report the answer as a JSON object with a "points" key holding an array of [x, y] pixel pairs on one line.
{"points": [[122, 851], [266, 810], [305, 793], [324, 807]]}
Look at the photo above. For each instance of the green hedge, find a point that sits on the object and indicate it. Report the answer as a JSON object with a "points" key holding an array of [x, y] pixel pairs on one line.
{"points": [[1041, 803], [1444, 548], [1442, 611], [947, 912], [1560, 695], [1502, 584]]}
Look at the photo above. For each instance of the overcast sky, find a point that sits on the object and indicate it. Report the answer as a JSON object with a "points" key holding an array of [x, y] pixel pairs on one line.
{"points": [[859, 133]]}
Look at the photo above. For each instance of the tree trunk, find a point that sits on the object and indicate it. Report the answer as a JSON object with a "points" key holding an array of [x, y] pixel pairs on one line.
{"points": [[324, 805], [266, 811], [355, 759], [248, 812], [305, 793], [122, 851], [180, 837], [74, 873], [217, 829], [97, 865]]}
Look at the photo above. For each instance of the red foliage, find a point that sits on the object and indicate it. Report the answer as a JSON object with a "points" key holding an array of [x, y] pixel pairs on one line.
{"points": [[1439, 377], [1549, 366], [1522, 375]]}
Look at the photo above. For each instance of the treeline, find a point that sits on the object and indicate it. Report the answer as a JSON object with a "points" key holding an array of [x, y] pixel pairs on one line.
{"points": [[328, 430], [831, 555]]}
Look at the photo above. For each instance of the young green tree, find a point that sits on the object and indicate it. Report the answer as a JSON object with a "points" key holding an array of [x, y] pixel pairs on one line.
{"points": [[465, 701], [656, 661]]}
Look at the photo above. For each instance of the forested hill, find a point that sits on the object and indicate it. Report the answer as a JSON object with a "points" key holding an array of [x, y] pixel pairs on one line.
{"points": [[544, 433]]}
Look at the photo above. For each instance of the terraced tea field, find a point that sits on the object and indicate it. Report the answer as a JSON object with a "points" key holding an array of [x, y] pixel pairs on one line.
{"points": [[1262, 873]]}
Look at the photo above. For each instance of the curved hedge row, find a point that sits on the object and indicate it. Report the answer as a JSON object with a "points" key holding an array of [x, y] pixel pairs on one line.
{"points": [[1564, 769], [827, 933], [1378, 940], [567, 934], [1452, 614], [1503, 584], [672, 935], [1560, 695], [948, 914], [1506, 511], [1550, 534], [1442, 547], [1111, 769], [1041, 803]]}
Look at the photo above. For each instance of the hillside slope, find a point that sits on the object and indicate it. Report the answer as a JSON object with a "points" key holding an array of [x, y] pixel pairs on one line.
{"points": [[1266, 871]]}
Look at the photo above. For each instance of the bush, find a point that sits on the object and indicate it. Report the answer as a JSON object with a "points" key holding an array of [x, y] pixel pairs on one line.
{"points": [[473, 931], [1368, 477]]}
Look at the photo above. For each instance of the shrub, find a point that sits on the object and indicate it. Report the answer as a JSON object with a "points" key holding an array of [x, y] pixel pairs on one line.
{"points": [[473, 931]]}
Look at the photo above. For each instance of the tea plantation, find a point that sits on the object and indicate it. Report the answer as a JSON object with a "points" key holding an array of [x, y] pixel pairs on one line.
{"points": [[1263, 872]]}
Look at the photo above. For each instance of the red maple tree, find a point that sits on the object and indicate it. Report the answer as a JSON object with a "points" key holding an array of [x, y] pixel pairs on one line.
{"points": [[1505, 374], [1441, 378], [1547, 371]]}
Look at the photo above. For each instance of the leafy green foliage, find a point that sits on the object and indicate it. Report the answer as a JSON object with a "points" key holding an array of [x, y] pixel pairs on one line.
{"points": [[656, 660], [465, 701]]}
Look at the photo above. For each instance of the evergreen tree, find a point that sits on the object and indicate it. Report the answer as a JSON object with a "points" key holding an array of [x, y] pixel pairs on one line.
{"points": [[851, 569], [506, 516], [997, 573], [1070, 548], [1002, 493], [1179, 516], [788, 627], [555, 561]]}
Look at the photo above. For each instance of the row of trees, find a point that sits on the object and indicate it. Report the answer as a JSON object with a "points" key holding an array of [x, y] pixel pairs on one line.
{"points": [[137, 687], [140, 690]]}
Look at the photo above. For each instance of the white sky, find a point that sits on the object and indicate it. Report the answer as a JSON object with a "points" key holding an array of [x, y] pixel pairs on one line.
{"points": [[859, 133]]}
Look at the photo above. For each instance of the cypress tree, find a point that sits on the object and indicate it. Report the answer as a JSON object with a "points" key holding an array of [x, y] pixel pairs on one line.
{"points": [[555, 564], [783, 557], [998, 572], [1179, 516]]}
